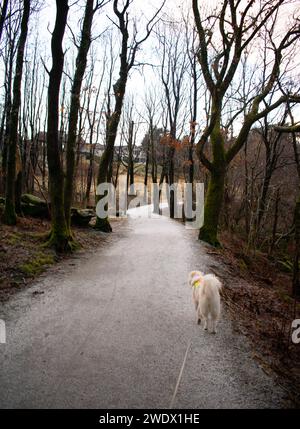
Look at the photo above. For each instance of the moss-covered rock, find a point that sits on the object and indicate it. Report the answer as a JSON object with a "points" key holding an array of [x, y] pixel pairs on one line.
{"points": [[34, 210], [82, 217], [32, 199], [34, 206]]}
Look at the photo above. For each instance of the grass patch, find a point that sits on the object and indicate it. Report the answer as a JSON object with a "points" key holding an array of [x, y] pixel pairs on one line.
{"points": [[37, 264]]}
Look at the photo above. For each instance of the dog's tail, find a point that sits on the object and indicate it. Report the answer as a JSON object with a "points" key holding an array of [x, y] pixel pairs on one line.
{"points": [[192, 275], [211, 284]]}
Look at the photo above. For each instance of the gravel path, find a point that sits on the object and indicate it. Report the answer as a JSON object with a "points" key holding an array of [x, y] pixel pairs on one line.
{"points": [[116, 328]]}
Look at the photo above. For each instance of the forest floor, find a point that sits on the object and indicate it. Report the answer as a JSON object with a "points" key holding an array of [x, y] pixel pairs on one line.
{"points": [[256, 293], [23, 256], [258, 296]]}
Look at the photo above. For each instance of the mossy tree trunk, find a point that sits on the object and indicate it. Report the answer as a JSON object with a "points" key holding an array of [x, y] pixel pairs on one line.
{"points": [[9, 216], [81, 63], [215, 192], [60, 237], [212, 208]]}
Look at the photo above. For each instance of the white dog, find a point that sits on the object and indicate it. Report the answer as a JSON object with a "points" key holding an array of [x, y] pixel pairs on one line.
{"points": [[206, 296]]}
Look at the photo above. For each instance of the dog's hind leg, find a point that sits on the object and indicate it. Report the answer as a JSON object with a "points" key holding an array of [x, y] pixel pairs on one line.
{"points": [[213, 326], [199, 315], [205, 324]]}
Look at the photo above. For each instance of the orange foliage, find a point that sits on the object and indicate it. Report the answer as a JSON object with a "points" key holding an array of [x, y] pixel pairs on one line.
{"points": [[169, 141]]}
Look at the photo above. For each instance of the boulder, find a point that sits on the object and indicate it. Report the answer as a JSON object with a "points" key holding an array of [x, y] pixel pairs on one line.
{"points": [[81, 217], [34, 206], [32, 199], [34, 210]]}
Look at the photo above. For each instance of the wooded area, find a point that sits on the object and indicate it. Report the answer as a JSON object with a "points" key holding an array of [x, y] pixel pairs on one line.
{"points": [[215, 101]]}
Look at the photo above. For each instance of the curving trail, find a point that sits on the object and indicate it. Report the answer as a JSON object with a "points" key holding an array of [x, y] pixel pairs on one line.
{"points": [[116, 328]]}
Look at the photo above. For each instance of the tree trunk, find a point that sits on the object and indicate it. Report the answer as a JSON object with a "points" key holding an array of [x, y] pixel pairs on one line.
{"points": [[130, 167], [296, 277], [113, 118], [131, 172], [191, 160], [193, 120], [216, 186], [212, 208], [44, 149], [103, 224], [89, 177], [8, 108], [171, 181], [264, 194], [246, 192], [147, 163], [163, 176], [9, 215], [60, 237], [3, 16], [110, 167], [111, 133], [81, 63], [153, 157], [275, 222]]}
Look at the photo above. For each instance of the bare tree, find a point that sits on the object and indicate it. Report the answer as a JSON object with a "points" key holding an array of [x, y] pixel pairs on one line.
{"points": [[294, 128], [173, 70], [94, 120], [60, 236], [236, 26], [151, 107], [127, 62], [9, 216], [81, 62], [191, 38], [131, 125], [32, 113], [12, 27]]}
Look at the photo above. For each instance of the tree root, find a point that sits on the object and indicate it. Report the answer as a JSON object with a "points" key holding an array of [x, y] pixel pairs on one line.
{"points": [[62, 243], [103, 225]]}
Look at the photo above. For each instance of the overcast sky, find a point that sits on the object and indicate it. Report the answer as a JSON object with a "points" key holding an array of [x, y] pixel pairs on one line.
{"points": [[140, 78]]}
